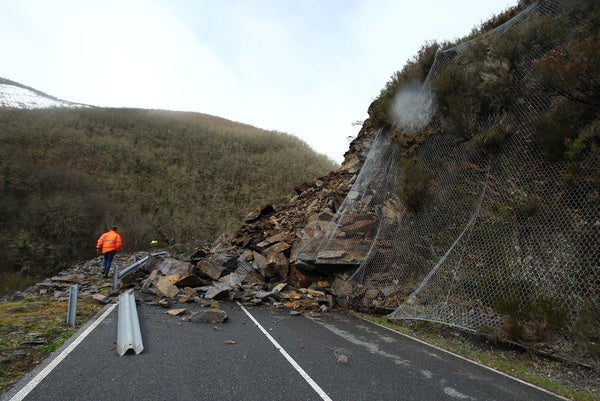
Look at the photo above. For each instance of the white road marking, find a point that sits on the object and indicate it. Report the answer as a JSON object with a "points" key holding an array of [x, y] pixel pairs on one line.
{"points": [[371, 347], [291, 360], [468, 360], [54, 363]]}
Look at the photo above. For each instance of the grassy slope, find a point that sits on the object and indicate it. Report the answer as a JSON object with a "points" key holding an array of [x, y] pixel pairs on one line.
{"points": [[66, 175]]}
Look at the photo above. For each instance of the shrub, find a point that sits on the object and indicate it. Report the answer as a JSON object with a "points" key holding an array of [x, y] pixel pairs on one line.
{"points": [[586, 331], [415, 186], [574, 73], [551, 129], [494, 137], [530, 320]]}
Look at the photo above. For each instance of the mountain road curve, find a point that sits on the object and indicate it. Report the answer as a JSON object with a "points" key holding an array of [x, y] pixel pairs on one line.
{"points": [[260, 354]]}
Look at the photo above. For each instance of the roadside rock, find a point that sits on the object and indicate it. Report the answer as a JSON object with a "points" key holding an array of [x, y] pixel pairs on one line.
{"points": [[208, 315]]}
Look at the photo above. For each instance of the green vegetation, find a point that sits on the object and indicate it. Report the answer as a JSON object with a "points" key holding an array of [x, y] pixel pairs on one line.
{"points": [[485, 81], [415, 186], [66, 175], [530, 320], [32, 329]]}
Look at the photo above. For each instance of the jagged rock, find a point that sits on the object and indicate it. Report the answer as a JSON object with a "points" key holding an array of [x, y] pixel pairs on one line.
{"points": [[362, 226], [198, 255], [184, 298], [331, 254], [351, 164], [165, 288], [232, 280], [315, 293], [176, 312], [189, 281], [260, 261], [248, 272], [190, 292], [172, 266], [218, 265], [341, 288], [301, 278], [101, 298], [277, 264], [208, 315], [291, 295], [211, 270], [305, 186], [246, 256], [261, 210], [279, 247], [165, 303], [214, 290]]}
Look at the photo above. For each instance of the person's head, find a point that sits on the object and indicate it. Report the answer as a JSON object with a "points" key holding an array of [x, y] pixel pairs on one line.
{"points": [[114, 228]]}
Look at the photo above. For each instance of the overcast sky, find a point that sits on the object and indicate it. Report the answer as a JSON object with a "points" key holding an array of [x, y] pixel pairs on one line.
{"points": [[305, 67]]}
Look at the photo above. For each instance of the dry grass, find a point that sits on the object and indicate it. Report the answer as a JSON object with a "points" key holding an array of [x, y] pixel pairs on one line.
{"points": [[31, 329]]}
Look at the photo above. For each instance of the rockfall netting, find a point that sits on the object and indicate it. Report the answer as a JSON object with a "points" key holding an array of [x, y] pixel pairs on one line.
{"points": [[492, 242]]}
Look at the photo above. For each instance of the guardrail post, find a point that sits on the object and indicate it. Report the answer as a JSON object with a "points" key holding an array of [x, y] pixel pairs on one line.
{"points": [[115, 277], [72, 310]]}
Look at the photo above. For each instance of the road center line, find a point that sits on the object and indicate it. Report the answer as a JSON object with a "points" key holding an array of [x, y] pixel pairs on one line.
{"points": [[287, 356], [54, 363]]}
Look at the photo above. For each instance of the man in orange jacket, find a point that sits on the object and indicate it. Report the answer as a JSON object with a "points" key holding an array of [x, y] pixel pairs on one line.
{"points": [[108, 244]]}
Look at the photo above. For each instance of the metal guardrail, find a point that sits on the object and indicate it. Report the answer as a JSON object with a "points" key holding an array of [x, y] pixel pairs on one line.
{"points": [[129, 335], [136, 265]]}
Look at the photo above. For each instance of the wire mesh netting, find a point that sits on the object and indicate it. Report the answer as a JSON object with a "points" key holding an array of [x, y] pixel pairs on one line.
{"points": [[501, 242]]}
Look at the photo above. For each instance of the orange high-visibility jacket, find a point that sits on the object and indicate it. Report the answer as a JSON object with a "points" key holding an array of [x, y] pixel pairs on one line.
{"points": [[109, 241]]}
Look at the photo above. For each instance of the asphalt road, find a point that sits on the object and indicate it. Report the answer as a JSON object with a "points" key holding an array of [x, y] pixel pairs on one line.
{"points": [[283, 357]]}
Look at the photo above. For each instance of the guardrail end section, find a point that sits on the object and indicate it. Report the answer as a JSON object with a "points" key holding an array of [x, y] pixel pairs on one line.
{"points": [[129, 335]]}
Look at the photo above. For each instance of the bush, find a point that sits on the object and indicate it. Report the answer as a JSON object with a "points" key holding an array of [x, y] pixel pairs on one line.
{"points": [[415, 186], [573, 74], [586, 331], [495, 136], [551, 130], [531, 320]]}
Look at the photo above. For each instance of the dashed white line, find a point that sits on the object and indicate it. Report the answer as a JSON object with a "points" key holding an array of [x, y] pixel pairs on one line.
{"points": [[54, 363], [291, 360]]}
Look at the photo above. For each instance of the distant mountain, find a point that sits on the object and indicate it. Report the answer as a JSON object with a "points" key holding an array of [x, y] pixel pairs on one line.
{"points": [[17, 96]]}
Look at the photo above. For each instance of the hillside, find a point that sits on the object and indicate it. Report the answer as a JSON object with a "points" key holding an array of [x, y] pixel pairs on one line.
{"points": [[68, 173]]}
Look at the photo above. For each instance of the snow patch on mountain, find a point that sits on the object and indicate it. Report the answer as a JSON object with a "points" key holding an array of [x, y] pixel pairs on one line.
{"points": [[16, 97]]}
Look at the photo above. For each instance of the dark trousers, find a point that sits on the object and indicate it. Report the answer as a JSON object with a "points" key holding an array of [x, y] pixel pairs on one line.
{"points": [[107, 261]]}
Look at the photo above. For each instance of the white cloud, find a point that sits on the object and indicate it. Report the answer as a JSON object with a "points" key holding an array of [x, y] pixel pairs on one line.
{"points": [[308, 68]]}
